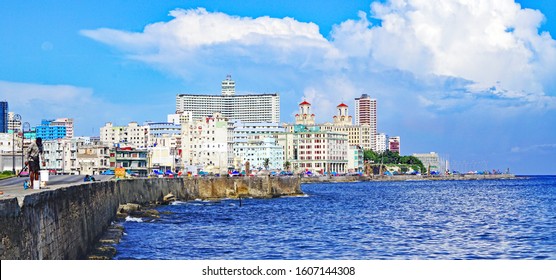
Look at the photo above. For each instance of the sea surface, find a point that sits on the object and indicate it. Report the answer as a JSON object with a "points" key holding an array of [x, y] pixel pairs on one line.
{"points": [[428, 220]]}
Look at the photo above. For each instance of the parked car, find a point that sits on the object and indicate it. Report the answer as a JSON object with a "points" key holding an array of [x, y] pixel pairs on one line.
{"points": [[108, 172], [52, 172]]}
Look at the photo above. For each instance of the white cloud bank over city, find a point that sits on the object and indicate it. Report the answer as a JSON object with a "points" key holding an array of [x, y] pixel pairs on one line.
{"points": [[492, 48]]}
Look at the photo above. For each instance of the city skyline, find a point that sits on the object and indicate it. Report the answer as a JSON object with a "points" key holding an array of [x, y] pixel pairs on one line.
{"points": [[470, 82]]}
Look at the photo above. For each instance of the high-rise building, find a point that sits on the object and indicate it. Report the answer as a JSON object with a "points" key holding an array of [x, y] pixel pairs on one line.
{"points": [[3, 116], [365, 113], [245, 108]]}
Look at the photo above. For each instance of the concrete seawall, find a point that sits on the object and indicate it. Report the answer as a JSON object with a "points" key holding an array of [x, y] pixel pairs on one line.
{"points": [[65, 223]]}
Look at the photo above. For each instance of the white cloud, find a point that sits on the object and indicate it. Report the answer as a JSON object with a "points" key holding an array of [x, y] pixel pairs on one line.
{"points": [[489, 42], [197, 35], [444, 51]]}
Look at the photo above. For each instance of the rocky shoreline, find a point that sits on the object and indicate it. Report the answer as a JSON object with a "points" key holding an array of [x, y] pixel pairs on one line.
{"points": [[105, 248]]}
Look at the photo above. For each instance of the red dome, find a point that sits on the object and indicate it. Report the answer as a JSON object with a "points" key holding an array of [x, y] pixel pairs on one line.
{"points": [[304, 103], [342, 105]]}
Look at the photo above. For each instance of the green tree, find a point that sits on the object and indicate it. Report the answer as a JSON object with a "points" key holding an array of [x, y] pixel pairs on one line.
{"points": [[266, 163], [287, 165]]}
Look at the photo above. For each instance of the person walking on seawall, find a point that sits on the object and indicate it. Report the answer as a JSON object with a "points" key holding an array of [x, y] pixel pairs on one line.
{"points": [[34, 151]]}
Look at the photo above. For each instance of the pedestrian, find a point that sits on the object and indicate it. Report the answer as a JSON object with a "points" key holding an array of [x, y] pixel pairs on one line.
{"points": [[34, 152]]}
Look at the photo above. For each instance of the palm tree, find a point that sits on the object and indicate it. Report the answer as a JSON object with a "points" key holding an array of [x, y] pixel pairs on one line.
{"points": [[287, 165]]}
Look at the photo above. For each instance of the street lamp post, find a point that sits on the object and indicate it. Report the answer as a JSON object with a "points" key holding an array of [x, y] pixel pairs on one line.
{"points": [[16, 118]]}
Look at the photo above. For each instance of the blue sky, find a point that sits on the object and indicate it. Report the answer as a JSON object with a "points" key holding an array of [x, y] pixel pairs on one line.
{"points": [[471, 80]]}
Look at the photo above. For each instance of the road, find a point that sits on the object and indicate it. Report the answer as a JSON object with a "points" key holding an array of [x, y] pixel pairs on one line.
{"points": [[14, 186]]}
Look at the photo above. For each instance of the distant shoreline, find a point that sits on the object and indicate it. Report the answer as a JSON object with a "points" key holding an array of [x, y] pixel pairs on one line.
{"points": [[384, 178]]}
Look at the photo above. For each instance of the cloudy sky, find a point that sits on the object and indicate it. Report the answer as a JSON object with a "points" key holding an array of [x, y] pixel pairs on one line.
{"points": [[470, 79]]}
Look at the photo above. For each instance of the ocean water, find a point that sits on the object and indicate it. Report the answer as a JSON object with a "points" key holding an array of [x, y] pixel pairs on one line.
{"points": [[498, 219]]}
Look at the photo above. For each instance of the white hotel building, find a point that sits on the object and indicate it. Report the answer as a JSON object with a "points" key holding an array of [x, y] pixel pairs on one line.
{"points": [[247, 108]]}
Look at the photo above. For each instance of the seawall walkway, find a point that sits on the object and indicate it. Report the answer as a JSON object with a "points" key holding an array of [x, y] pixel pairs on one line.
{"points": [[65, 221]]}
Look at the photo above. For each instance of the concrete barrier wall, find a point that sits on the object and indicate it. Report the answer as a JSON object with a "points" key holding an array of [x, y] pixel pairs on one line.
{"points": [[65, 223]]}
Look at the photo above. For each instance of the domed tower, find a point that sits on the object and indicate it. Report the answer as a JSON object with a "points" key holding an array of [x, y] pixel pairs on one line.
{"points": [[342, 118], [305, 116], [228, 86]]}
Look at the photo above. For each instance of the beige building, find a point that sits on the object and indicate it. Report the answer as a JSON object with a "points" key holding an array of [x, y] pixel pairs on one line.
{"points": [[132, 135], [358, 135], [315, 150], [92, 158], [208, 144]]}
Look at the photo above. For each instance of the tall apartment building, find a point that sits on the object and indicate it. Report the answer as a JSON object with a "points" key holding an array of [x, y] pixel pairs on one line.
{"points": [[3, 116], [246, 108], [365, 113], [207, 143]]}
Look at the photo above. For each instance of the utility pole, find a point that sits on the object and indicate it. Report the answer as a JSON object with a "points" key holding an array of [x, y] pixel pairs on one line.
{"points": [[16, 118]]}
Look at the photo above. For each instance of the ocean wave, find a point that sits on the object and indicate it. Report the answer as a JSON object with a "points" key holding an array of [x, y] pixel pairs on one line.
{"points": [[133, 219]]}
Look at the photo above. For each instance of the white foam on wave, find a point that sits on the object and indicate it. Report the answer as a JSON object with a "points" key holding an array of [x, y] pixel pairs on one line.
{"points": [[177, 203], [132, 219], [295, 196]]}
